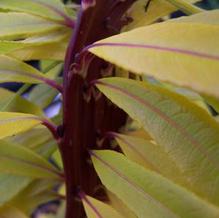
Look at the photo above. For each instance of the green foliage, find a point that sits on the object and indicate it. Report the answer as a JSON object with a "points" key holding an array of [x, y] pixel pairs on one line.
{"points": [[168, 165]]}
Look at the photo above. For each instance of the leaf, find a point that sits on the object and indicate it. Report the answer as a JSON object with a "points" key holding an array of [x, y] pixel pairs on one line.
{"points": [[38, 139], [185, 6], [95, 208], [38, 192], [13, 70], [11, 212], [118, 205], [145, 192], [20, 25], [143, 12], [42, 94], [46, 39], [152, 156], [191, 61], [19, 104], [11, 185], [186, 132], [210, 17], [19, 160], [52, 51], [52, 9], [13, 123]]}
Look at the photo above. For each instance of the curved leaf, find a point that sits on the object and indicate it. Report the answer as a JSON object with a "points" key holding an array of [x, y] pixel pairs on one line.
{"points": [[54, 51], [19, 104], [52, 9], [145, 192], [46, 39], [20, 25], [13, 70], [19, 160], [185, 131], [190, 61]]}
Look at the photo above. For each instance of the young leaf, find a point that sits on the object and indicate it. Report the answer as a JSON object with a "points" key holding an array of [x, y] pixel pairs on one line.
{"points": [[185, 131], [95, 208], [51, 9], [145, 192], [20, 25], [19, 160], [190, 61]]}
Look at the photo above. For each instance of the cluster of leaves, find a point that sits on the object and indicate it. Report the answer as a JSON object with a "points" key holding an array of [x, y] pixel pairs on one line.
{"points": [[169, 166]]}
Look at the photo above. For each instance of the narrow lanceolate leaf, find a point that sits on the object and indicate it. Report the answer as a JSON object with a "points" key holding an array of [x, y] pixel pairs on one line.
{"points": [[50, 9], [13, 70], [13, 103], [11, 185], [53, 51], [20, 25], [22, 161], [186, 132], [151, 156], [97, 209], [185, 6], [147, 193], [46, 39], [191, 61], [14, 123], [37, 193], [146, 12], [118, 205]]}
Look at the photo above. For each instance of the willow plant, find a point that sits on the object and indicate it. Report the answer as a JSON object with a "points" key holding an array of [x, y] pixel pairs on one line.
{"points": [[135, 136]]}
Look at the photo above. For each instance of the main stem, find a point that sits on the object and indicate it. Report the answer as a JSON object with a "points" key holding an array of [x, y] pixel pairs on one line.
{"points": [[85, 120]]}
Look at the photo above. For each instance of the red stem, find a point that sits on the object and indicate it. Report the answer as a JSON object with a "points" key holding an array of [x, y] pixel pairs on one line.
{"points": [[83, 118]]}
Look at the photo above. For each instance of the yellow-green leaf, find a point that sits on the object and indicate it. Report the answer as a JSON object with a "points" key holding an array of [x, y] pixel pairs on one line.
{"points": [[95, 208], [143, 12], [118, 205], [40, 191], [20, 25], [19, 104], [152, 156], [54, 51], [19, 160], [12, 123], [46, 39], [51, 9], [186, 132], [191, 61], [10, 186], [13, 70], [147, 193]]}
